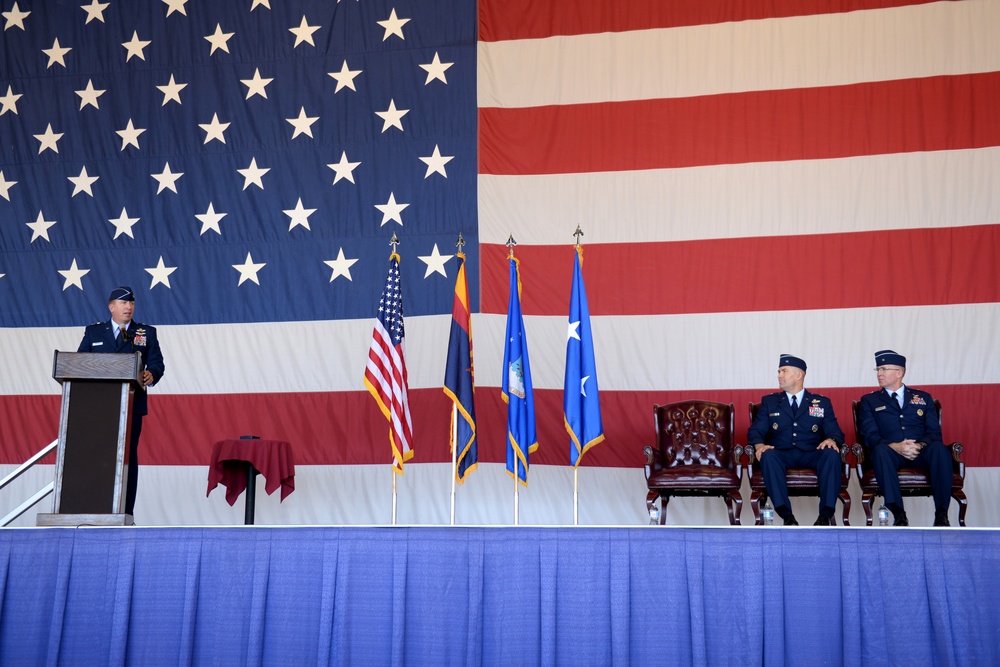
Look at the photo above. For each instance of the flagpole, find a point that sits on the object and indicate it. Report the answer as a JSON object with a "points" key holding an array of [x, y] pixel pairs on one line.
{"points": [[454, 457], [394, 241], [576, 498], [576, 480], [515, 492], [393, 497]]}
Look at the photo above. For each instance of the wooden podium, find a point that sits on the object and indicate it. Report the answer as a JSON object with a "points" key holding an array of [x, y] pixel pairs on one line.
{"points": [[94, 429]]}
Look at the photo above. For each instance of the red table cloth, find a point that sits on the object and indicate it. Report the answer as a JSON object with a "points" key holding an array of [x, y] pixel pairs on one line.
{"points": [[271, 458]]}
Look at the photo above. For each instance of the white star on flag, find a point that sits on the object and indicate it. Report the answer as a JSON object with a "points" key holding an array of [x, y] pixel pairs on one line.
{"points": [[5, 186], [260, 3], [248, 270], [435, 262], [9, 101], [574, 330], [172, 91], [74, 276], [304, 33], [15, 17], [161, 274], [255, 86], [135, 47], [48, 140], [341, 266], [130, 135], [175, 6], [392, 116], [219, 39], [435, 162], [40, 228], [95, 10], [215, 129], [302, 124], [345, 77], [210, 219], [83, 182], [435, 69], [167, 179], [391, 210], [253, 174], [123, 224], [88, 96], [393, 26], [343, 169], [299, 215], [56, 53]]}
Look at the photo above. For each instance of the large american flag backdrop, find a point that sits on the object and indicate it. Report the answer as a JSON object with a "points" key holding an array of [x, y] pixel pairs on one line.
{"points": [[817, 177]]}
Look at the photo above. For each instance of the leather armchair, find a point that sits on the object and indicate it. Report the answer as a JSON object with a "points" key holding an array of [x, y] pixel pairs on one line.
{"points": [[694, 455]]}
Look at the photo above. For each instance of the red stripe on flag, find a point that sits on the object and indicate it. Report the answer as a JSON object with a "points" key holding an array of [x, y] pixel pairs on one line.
{"points": [[340, 428], [530, 19], [751, 274], [930, 114]]}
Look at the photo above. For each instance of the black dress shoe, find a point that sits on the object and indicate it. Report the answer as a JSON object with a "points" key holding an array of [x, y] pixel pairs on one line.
{"points": [[790, 520], [823, 520], [901, 520], [941, 520]]}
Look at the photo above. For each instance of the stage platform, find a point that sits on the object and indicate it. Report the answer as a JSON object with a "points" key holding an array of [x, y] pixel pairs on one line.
{"points": [[499, 596]]}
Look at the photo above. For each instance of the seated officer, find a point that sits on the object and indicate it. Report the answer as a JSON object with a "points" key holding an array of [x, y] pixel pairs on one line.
{"points": [[901, 428], [795, 428]]}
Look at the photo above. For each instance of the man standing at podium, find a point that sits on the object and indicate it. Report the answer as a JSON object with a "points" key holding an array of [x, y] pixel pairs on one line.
{"points": [[121, 334]]}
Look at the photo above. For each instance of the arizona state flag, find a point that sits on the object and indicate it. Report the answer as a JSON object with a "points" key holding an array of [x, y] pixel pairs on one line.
{"points": [[459, 379]]}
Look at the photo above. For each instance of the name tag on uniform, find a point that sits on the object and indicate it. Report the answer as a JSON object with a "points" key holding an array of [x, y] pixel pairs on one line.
{"points": [[816, 411], [881, 407], [774, 414], [98, 343]]}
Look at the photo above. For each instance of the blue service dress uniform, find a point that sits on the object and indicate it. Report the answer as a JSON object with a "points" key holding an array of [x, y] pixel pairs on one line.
{"points": [[100, 337], [795, 438], [881, 421]]}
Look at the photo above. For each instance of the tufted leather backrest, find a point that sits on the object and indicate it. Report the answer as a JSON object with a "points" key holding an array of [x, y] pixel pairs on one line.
{"points": [[694, 432]]}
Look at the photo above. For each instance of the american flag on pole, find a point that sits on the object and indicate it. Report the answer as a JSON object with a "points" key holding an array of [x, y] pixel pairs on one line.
{"points": [[385, 374]]}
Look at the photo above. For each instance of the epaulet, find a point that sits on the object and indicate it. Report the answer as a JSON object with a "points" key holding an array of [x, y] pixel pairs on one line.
{"points": [[96, 323]]}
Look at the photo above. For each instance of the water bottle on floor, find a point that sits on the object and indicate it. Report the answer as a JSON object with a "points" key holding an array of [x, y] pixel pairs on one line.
{"points": [[654, 515], [767, 514], [883, 515]]}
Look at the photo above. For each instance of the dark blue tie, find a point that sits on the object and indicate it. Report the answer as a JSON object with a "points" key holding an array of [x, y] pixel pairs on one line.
{"points": [[895, 399], [795, 404]]}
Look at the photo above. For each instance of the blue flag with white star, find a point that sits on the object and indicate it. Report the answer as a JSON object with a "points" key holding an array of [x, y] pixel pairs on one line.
{"points": [[521, 437], [581, 402]]}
